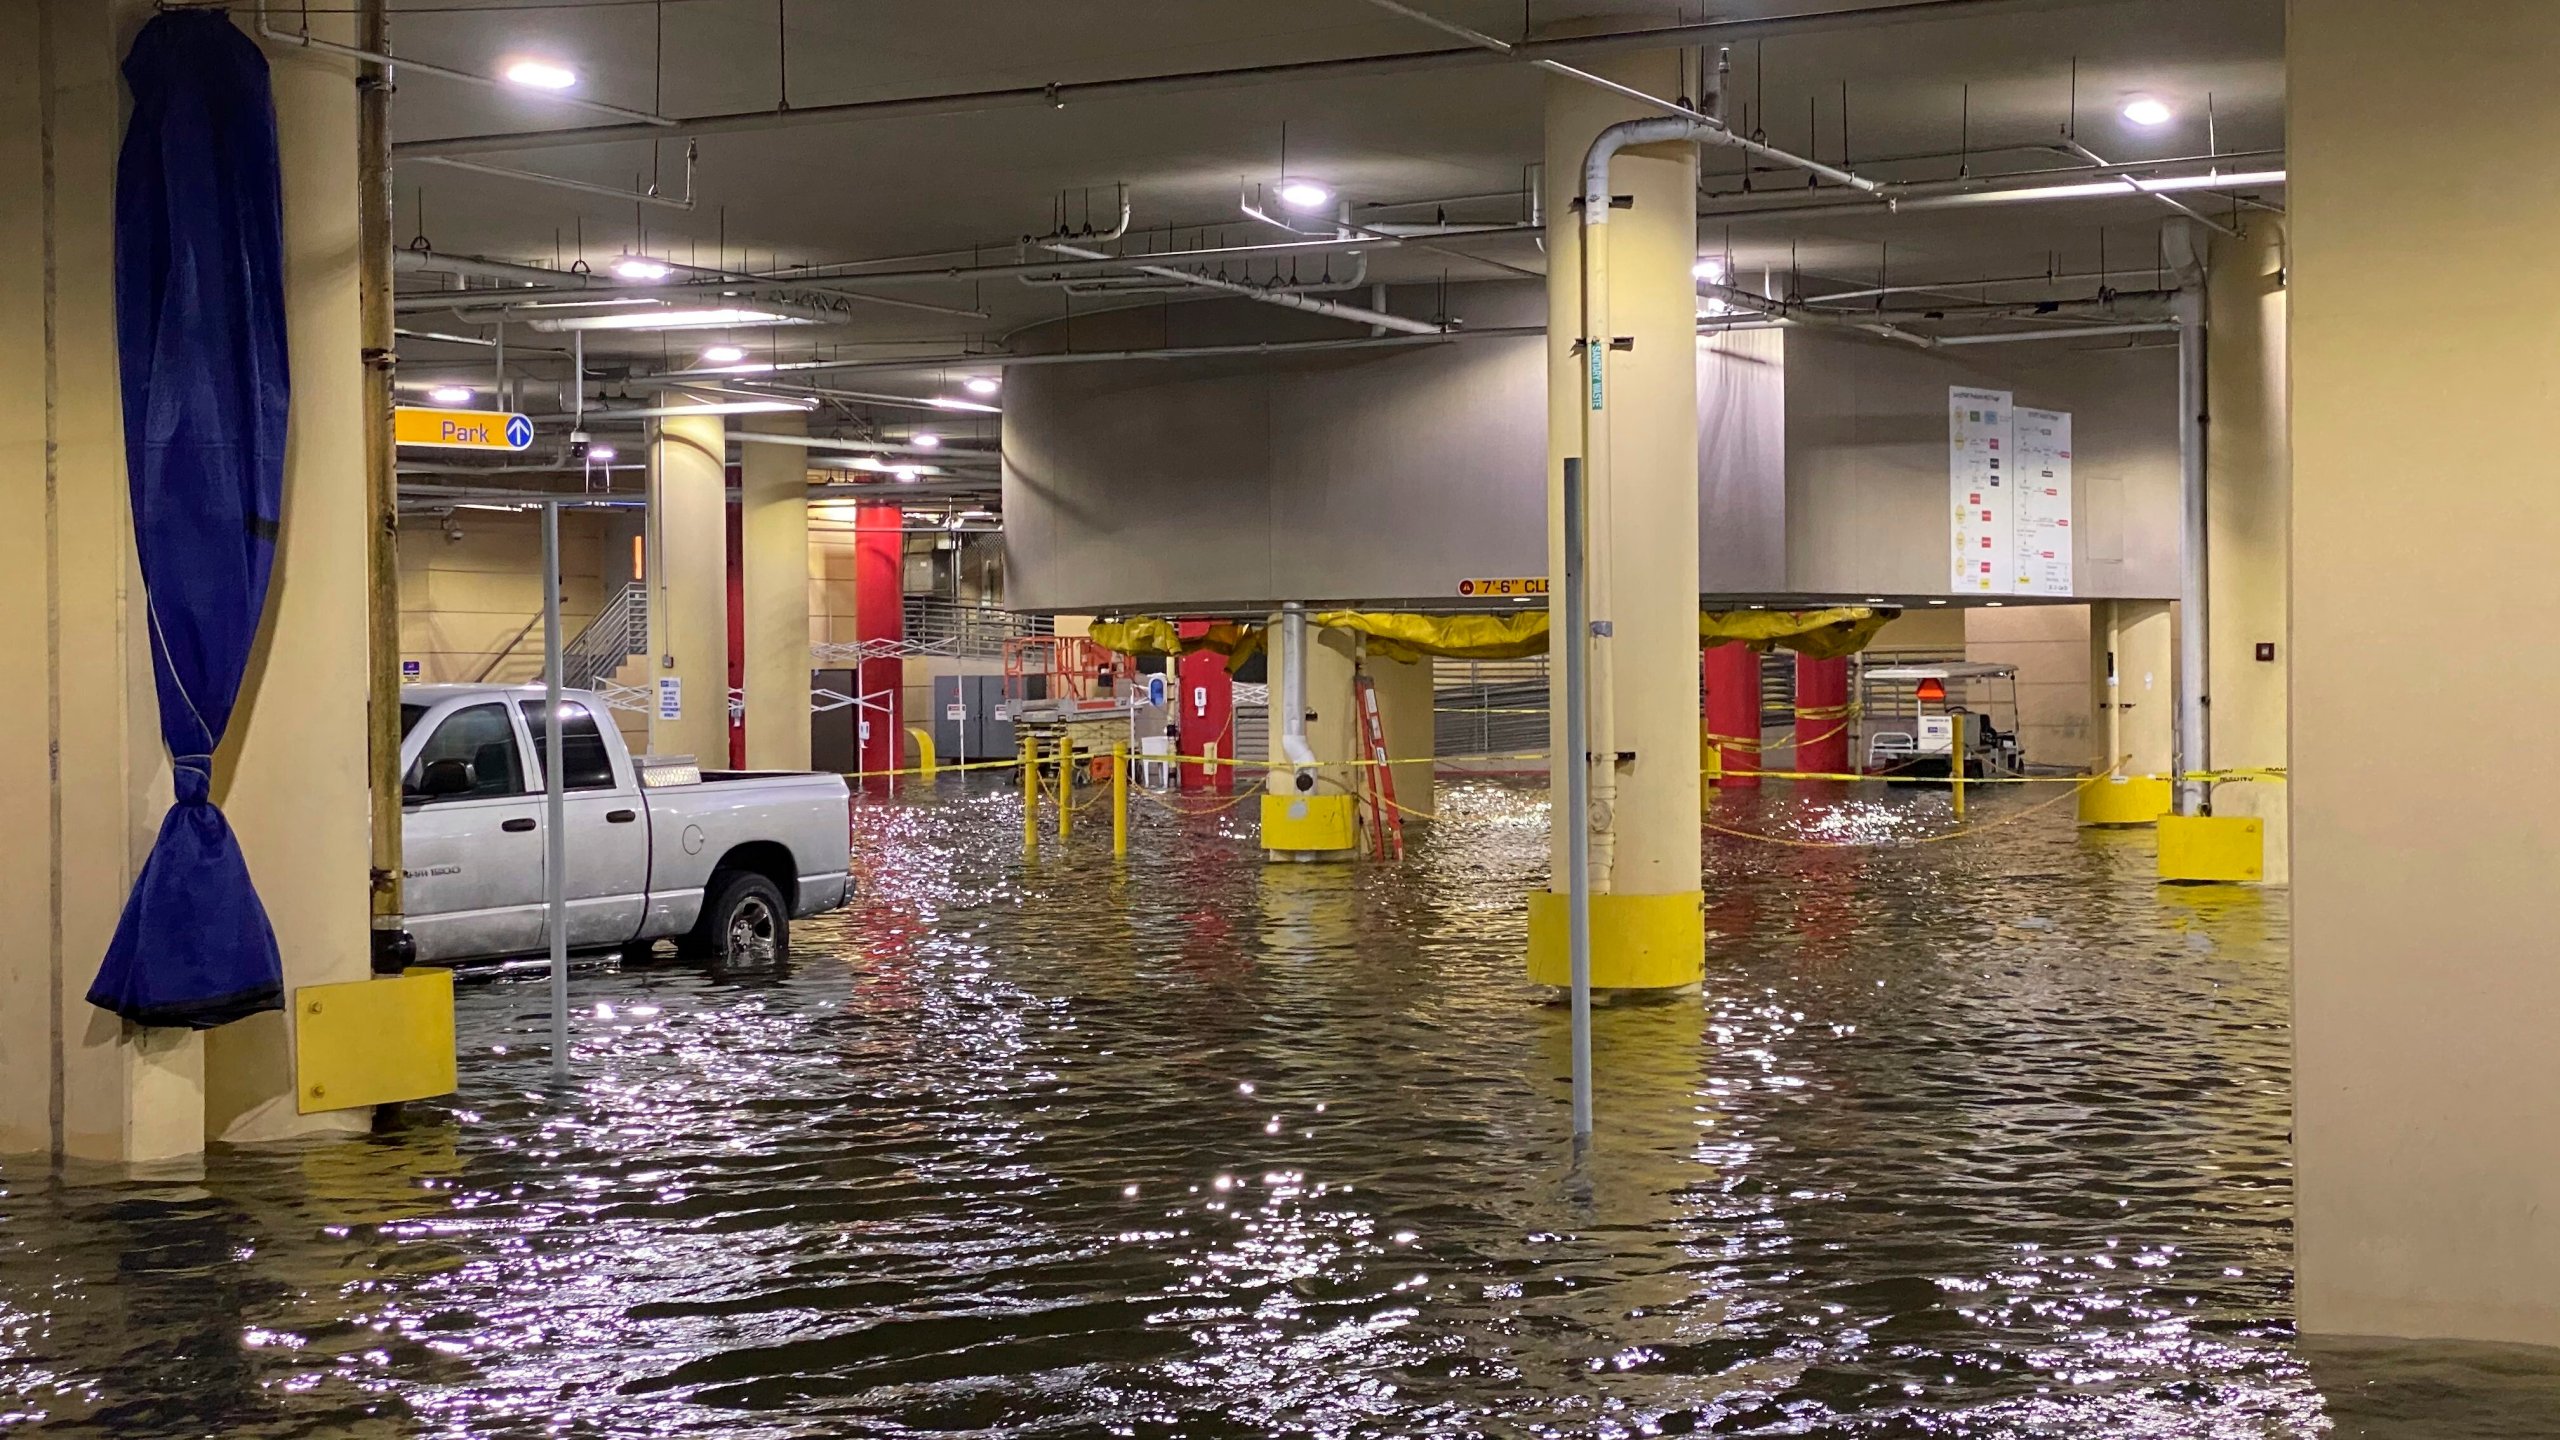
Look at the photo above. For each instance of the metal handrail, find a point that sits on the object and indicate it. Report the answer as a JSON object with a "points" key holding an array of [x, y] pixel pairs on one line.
{"points": [[619, 631]]}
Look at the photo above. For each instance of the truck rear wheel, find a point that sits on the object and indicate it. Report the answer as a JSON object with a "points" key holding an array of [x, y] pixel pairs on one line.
{"points": [[744, 924]]}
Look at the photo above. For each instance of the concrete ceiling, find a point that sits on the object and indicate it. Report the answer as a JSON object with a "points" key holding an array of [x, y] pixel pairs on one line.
{"points": [[973, 183]]}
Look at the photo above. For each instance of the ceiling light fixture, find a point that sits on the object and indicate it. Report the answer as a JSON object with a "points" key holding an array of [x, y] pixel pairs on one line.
{"points": [[983, 384], [671, 319], [1710, 269], [450, 394], [2121, 185], [2146, 111], [598, 454], [540, 74], [639, 267], [924, 440], [906, 472], [724, 354], [944, 403], [1305, 194]]}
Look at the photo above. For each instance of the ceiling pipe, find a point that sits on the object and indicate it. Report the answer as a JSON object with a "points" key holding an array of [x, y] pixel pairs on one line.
{"points": [[651, 124], [2026, 187], [1334, 308], [1714, 132], [1059, 94], [862, 447], [2141, 187], [536, 283], [649, 196]]}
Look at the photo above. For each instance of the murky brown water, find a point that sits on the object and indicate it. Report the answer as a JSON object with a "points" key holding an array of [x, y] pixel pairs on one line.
{"points": [[1979, 1139]]}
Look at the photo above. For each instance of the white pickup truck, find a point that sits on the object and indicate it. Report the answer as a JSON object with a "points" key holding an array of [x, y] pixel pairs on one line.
{"points": [[721, 863]]}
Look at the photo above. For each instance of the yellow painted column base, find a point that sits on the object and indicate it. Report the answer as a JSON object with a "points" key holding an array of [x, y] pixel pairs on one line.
{"points": [[1311, 827], [1638, 942], [2126, 800], [372, 1042], [2224, 849]]}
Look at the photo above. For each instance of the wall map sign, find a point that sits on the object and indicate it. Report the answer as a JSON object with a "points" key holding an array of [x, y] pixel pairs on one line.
{"points": [[2009, 492]]}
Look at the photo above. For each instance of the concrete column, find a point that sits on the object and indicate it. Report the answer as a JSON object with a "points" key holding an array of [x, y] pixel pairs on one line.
{"points": [[1313, 823], [773, 536], [83, 777], [2132, 685], [1822, 715], [1206, 711], [1405, 698], [2426, 1110], [880, 573], [1733, 712], [2249, 479], [1647, 926], [688, 554], [291, 773]]}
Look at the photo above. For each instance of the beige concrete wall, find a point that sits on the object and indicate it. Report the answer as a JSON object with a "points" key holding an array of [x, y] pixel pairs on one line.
{"points": [[2142, 635], [471, 591], [2426, 1080], [1404, 712], [2249, 484], [291, 774], [2050, 646], [773, 534], [831, 572], [83, 777], [689, 593], [1643, 538]]}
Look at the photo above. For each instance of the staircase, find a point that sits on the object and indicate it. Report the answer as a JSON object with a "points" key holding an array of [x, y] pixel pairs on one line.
{"points": [[619, 631]]}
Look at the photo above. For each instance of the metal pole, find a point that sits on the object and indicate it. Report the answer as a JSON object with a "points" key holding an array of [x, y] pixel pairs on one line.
{"points": [[382, 501], [1577, 800], [1030, 794], [555, 829], [2195, 614], [1120, 801]]}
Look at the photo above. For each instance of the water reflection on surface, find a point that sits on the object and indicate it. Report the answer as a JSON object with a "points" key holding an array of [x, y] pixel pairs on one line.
{"points": [[1981, 1139]]}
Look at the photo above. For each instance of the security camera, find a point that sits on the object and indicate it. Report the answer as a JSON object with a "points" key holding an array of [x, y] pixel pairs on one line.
{"points": [[578, 444]]}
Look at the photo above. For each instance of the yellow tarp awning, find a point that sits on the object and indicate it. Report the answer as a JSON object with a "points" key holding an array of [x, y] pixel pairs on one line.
{"points": [[1507, 635]]}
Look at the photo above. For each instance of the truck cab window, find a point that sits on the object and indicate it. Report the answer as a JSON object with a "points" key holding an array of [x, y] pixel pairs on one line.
{"points": [[584, 765], [478, 740]]}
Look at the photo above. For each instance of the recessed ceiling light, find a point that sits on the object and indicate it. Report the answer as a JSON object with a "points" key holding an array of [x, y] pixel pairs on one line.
{"points": [[1710, 268], [905, 473], [724, 354], [601, 452], [450, 394], [2144, 110], [983, 385], [541, 74], [924, 440], [1937, 602], [639, 267], [1875, 599], [1304, 194]]}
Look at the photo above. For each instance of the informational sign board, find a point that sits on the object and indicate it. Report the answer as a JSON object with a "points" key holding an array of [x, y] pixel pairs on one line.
{"points": [[2043, 501], [411, 669], [461, 429], [1503, 589], [670, 697], [1980, 465]]}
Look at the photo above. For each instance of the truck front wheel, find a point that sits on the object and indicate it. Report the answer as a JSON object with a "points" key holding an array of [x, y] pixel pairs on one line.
{"points": [[744, 925]]}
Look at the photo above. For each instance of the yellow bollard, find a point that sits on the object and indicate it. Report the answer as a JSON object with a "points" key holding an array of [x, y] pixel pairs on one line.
{"points": [[924, 750], [1030, 793], [1956, 768], [1120, 801], [1066, 786]]}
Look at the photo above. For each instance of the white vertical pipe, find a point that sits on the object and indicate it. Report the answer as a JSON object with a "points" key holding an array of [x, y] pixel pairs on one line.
{"points": [[555, 830], [2195, 574], [1577, 799], [1293, 692]]}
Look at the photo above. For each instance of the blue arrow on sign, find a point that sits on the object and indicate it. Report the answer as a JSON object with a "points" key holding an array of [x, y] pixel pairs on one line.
{"points": [[519, 433]]}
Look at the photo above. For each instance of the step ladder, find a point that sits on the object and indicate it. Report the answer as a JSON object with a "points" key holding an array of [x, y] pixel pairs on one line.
{"points": [[1377, 778]]}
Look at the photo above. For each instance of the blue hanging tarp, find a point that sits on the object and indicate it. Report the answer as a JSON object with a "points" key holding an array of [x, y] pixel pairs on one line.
{"points": [[200, 332]]}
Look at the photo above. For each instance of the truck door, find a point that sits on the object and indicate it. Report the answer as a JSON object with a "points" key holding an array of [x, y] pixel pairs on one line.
{"points": [[471, 852], [608, 830]]}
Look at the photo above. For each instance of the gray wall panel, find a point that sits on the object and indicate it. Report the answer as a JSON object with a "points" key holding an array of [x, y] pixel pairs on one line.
{"points": [[1742, 463], [1866, 448]]}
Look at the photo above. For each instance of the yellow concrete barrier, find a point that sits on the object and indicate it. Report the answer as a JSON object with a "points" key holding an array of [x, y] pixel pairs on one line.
{"points": [[2226, 849], [1310, 824], [2125, 800], [372, 1042], [1638, 942]]}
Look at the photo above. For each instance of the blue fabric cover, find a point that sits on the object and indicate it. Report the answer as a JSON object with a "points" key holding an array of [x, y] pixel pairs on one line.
{"points": [[200, 330]]}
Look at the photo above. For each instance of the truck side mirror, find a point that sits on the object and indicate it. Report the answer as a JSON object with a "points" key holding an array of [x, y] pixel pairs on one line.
{"points": [[441, 778]]}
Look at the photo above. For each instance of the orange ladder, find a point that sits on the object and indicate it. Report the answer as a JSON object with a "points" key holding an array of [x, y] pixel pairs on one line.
{"points": [[1378, 778]]}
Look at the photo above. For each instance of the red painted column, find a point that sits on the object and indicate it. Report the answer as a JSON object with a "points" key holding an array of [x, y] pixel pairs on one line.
{"points": [[1822, 715], [1206, 707], [1733, 710], [879, 613]]}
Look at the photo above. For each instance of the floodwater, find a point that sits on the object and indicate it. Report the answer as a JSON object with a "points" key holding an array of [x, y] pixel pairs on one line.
{"points": [[1981, 1138]]}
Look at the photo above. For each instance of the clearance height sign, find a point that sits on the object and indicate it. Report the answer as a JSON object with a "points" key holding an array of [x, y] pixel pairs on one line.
{"points": [[1514, 588], [2009, 488]]}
